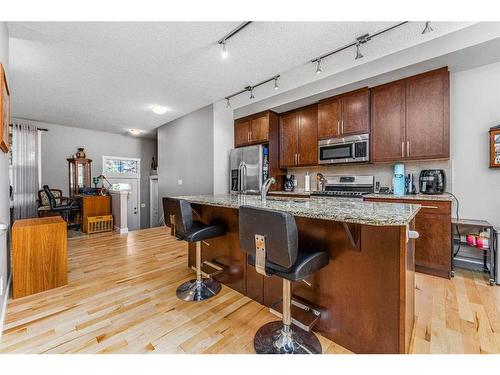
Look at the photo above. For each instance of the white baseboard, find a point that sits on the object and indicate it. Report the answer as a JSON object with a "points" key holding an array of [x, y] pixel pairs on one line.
{"points": [[4, 306], [121, 230]]}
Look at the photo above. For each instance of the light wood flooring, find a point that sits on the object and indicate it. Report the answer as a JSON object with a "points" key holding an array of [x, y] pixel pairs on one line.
{"points": [[121, 299]]}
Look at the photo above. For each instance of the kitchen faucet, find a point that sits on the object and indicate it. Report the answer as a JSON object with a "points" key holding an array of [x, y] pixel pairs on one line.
{"points": [[265, 187]]}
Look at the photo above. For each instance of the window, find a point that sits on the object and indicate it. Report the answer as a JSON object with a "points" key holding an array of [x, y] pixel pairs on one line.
{"points": [[120, 167]]}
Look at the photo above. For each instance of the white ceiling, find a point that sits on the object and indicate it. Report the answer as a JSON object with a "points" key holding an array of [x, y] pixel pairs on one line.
{"points": [[105, 75]]}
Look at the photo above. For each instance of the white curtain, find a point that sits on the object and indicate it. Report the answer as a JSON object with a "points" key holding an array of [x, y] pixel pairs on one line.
{"points": [[25, 170]]}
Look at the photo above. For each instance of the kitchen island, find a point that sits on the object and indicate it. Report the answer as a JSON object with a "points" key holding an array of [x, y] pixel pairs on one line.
{"points": [[366, 293]]}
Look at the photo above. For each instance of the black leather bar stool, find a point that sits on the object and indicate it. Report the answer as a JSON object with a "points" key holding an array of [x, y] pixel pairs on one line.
{"points": [[270, 239], [178, 216]]}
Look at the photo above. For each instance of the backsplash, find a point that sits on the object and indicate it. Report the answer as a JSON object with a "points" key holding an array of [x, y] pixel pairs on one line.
{"points": [[383, 172]]}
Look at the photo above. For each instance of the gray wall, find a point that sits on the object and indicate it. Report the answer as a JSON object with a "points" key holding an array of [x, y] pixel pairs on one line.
{"points": [[60, 142], [185, 152], [4, 183]]}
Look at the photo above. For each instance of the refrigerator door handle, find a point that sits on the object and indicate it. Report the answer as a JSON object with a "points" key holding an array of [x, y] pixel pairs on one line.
{"points": [[244, 177], [240, 176]]}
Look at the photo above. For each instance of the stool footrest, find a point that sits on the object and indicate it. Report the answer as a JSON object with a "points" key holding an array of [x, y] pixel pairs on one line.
{"points": [[303, 316], [209, 269]]}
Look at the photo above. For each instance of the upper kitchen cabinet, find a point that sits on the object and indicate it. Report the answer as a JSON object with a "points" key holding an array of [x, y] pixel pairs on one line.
{"points": [[299, 137], [347, 114], [410, 118], [428, 115], [252, 130]]}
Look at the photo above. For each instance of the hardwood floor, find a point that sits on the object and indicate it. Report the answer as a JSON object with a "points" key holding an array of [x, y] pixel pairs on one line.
{"points": [[121, 299]]}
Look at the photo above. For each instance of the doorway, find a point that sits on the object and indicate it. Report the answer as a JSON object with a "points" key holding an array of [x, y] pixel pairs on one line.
{"points": [[124, 174]]}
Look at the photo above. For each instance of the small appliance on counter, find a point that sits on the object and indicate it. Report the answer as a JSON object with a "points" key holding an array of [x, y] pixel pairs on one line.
{"points": [[409, 184], [289, 182], [398, 180], [432, 181]]}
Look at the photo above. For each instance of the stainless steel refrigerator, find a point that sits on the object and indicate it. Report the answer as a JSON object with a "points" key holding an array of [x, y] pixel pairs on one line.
{"points": [[246, 168]]}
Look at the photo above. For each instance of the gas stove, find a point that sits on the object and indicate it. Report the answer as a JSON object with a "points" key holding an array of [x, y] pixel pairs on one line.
{"points": [[346, 186]]}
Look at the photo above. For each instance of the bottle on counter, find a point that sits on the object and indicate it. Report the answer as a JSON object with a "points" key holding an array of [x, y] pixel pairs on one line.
{"points": [[307, 182], [265, 164]]}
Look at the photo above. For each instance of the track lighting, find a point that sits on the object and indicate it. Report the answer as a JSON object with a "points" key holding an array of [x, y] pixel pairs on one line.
{"points": [[359, 55], [251, 93], [228, 103], [276, 87], [318, 67], [224, 51], [428, 28], [251, 88]]}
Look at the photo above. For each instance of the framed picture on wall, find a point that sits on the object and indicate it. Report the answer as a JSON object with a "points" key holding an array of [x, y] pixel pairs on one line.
{"points": [[495, 147], [4, 111]]}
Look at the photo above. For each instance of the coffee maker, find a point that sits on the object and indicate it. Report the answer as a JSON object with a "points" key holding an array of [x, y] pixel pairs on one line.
{"points": [[432, 181], [289, 182]]}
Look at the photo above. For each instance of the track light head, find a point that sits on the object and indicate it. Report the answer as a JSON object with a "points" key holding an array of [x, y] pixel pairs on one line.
{"points": [[224, 50], [359, 55], [228, 103], [251, 93], [276, 87], [428, 28], [318, 66]]}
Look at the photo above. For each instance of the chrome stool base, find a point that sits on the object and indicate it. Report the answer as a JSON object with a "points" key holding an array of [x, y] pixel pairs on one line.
{"points": [[195, 291], [275, 338]]}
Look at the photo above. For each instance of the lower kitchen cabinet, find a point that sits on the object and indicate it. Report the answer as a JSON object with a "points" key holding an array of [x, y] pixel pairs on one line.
{"points": [[433, 247]]}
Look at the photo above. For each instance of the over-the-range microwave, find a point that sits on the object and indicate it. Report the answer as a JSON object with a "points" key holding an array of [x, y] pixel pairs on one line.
{"points": [[351, 149]]}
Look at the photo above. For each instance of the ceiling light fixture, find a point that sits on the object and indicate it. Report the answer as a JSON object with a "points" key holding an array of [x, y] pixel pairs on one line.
{"points": [[224, 52], [159, 109], [428, 28], [250, 89], [318, 67], [135, 131], [223, 41], [360, 40]]}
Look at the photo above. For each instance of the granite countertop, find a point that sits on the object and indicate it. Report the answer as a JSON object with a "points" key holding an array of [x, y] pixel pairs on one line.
{"points": [[350, 210], [296, 192], [422, 197]]}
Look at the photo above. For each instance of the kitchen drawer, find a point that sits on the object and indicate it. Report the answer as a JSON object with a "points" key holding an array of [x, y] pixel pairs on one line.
{"points": [[428, 206]]}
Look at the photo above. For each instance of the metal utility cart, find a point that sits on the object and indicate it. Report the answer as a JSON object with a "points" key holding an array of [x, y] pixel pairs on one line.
{"points": [[471, 257]]}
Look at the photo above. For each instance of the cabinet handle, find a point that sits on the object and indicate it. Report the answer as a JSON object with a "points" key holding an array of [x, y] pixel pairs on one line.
{"points": [[408, 148], [431, 207], [342, 126], [338, 127], [251, 135], [402, 149], [298, 158]]}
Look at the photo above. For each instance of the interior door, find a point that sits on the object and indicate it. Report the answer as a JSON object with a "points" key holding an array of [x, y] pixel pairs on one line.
{"points": [[329, 117], [388, 122], [308, 136], [289, 139], [132, 186], [427, 116], [356, 113]]}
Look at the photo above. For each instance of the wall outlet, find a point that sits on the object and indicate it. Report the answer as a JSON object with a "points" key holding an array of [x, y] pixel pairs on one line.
{"points": [[143, 205], [179, 182]]}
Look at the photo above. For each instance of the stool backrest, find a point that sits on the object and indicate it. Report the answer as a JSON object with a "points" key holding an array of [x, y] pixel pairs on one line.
{"points": [[181, 209], [277, 227]]}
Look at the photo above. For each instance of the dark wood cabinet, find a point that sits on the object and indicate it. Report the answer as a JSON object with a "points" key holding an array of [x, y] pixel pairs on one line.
{"points": [[299, 137], [388, 113], [410, 118], [433, 247], [252, 130], [427, 116], [343, 115]]}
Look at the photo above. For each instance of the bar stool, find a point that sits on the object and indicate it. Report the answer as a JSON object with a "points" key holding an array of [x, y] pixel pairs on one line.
{"points": [[178, 216], [270, 239]]}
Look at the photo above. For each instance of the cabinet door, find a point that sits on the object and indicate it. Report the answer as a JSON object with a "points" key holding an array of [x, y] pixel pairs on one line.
{"points": [[241, 133], [388, 122], [289, 124], [329, 116], [355, 113], [308, 136], [259, 130], [427, 116]]}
